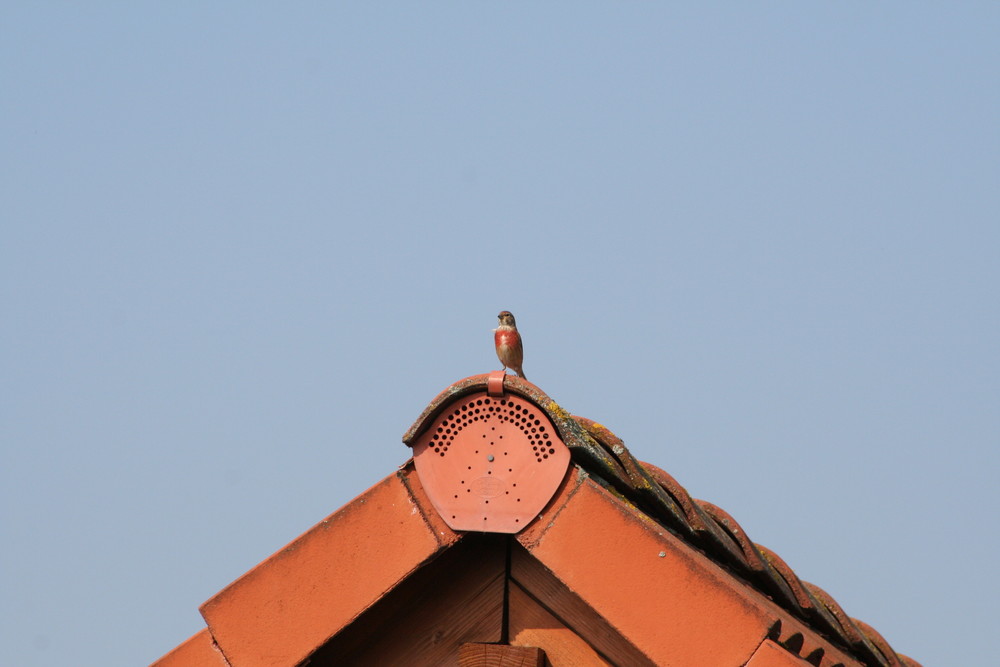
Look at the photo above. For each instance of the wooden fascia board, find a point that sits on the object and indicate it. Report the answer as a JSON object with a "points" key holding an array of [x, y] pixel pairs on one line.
{"points": [[499, 655]]}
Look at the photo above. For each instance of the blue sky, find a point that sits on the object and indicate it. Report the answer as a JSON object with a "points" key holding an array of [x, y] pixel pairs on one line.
{"points": [[244, 246]]}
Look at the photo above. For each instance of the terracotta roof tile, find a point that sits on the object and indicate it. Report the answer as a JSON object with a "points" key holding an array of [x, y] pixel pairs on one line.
{"points": [[881, 644], [694, 515]]}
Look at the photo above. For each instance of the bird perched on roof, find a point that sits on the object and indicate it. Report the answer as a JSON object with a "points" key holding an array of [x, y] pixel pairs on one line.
{"points": [[508, 343]]}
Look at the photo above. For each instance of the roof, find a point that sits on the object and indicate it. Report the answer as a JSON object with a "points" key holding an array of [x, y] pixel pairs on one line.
{"points": [[620, 566]]}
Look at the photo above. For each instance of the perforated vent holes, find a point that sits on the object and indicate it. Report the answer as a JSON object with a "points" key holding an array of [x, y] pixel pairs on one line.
{"points": [[488, 409], [490, 463]]}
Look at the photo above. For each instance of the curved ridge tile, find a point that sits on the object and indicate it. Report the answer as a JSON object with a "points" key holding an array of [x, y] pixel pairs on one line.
{"points": [[805, 604], [751, 557], [767, 578], [803, 600], [693, 514], [852, 633], [708, 533], [880, 643], [639, 482]]}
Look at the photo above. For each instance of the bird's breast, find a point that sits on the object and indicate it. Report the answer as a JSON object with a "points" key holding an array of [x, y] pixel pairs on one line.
{"points": [[505, 337]]}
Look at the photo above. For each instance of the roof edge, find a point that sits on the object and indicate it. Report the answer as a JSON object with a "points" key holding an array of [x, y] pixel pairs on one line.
{"points": [[199, 650]]}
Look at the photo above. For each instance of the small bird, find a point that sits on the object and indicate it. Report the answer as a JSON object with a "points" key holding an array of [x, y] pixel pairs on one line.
{"points": [[508, 342]]}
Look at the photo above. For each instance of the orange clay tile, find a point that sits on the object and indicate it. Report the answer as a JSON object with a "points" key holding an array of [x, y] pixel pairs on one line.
{"points": [[289, 605], [673, 604], [198, 651]]}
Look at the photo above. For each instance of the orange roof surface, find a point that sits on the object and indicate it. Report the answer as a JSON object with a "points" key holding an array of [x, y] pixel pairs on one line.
{"points": [[621, 566]]}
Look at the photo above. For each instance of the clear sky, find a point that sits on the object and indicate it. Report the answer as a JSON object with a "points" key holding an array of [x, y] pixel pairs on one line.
{"points": [[244, 245]]}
